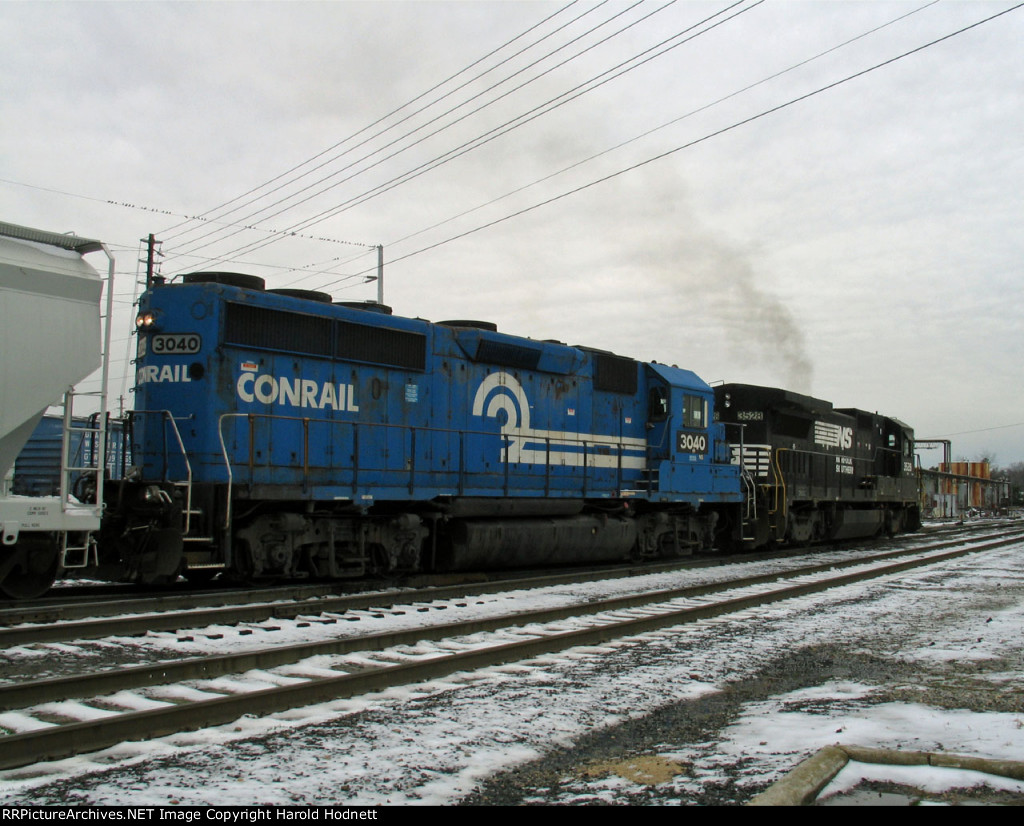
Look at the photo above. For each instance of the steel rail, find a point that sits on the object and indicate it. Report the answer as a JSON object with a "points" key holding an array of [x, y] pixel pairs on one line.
{"points": [[60, 741], [175, 620], [324, 599], [108, 602], [22, 694], [136, 624]]}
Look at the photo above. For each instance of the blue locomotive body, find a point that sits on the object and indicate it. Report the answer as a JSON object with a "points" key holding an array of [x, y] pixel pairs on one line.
{"points": [[280, 434], [37, 469]]}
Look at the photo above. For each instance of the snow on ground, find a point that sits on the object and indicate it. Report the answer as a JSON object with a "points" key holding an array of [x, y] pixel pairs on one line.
{"points": [[801, 722], [49, 659], [929, 660], [925, 778]]}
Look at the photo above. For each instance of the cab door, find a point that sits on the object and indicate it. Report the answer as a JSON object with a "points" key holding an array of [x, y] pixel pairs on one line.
{"points": [[659, 422]]}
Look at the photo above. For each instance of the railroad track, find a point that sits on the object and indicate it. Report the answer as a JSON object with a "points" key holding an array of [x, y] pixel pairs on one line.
{"points": [[152, 701], [72, 601], [357, 595], [131, 613]]}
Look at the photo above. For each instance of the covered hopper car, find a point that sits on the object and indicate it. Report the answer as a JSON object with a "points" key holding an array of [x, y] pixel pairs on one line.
{"points": [[52, 335]]}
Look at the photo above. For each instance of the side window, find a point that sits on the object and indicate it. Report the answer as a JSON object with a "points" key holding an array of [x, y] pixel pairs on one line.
{"points": [[657, 405], [695, 411]]}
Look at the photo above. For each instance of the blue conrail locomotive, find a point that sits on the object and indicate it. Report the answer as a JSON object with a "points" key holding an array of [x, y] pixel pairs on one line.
{"points": [[279, 435]]}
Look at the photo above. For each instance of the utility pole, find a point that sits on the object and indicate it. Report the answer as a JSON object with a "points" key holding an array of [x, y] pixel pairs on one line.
{"points": [[150, 246], [380, 273], [151, 253]]}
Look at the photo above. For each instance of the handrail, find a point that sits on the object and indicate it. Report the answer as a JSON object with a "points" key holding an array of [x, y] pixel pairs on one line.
{"points": [[587, 445], [780, 483], [170, 419], [831, 478], [102, 394]]}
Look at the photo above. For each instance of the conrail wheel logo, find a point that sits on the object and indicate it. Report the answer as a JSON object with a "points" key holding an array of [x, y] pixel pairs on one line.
{"points": [[501, 397]]}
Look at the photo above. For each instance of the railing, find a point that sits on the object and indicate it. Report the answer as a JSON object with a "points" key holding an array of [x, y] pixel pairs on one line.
{"points": [[826, 477], [186, 485], [107, 319], [595, 453], [778, 489], [828, 483], [68, 470]]}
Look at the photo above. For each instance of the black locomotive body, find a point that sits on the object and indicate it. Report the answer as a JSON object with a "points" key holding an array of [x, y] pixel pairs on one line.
{"points": [[818, 473]]}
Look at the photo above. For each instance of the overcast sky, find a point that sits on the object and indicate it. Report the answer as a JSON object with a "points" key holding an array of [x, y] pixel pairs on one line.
{"points": [[862, 243]]}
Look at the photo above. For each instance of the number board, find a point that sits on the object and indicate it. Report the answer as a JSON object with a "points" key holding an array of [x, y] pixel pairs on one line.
{"points": [[691, 442], [175, 344]]}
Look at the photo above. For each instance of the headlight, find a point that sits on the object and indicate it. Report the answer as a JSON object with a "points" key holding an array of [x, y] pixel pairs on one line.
{"points": [[146, 322]]}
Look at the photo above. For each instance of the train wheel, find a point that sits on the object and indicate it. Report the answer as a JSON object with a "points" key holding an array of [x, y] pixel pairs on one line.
{"points": [[31, 566], [243, 569]]}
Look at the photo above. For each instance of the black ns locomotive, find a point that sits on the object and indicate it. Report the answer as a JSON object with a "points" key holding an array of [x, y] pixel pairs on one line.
{"points": [[818, 473]]}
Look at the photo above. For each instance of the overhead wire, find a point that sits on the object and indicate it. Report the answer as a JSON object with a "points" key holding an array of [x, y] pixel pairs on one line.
{"points": [[285, 232], [980, 430], [553, 103], [848, 41], [435, 87], [563, 195], [665, 45], [524, 118], [514, 123], [392, 113], [666, 124], [702, 139], [162, 211], [317, 267]]}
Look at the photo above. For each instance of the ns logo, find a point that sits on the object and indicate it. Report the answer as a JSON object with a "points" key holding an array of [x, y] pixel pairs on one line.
{"points": [[833, 435]]}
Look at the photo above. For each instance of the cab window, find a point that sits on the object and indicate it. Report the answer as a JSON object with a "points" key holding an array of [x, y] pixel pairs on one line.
{"points": [[695, 411], [657, 405]]}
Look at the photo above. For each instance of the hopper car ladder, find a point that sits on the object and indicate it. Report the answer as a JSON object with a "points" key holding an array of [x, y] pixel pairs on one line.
{"points": [[77, 553]]}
